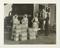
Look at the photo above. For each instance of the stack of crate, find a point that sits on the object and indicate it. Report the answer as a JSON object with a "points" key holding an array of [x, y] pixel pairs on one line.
{"points": [[23, 32], [32, 33], [17, 32]]}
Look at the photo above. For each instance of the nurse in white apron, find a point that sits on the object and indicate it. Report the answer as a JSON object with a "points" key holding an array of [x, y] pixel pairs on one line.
{"points": [[25, 21], [15, 23]]}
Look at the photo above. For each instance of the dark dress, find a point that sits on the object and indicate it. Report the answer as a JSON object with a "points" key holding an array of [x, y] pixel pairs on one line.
{"points": [[41, 21], [46, 26]]}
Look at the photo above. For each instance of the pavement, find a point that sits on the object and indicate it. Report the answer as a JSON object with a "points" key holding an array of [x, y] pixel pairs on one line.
{"points": [[41, 39]]}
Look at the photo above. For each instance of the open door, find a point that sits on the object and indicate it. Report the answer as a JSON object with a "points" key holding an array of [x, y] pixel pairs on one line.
{"points": [[22, 9]]}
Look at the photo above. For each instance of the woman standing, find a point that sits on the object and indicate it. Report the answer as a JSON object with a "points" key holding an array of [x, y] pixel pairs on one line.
{"points": [[47, 25], [15, 23], [35, 21], [35, 24]]}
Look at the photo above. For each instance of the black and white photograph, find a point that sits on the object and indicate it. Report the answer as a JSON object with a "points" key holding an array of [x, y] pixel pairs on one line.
{"points": [[29, 23]]}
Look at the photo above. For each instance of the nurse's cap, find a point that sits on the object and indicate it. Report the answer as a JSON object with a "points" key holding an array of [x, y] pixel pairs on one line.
{"points": [[25, 15]]}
